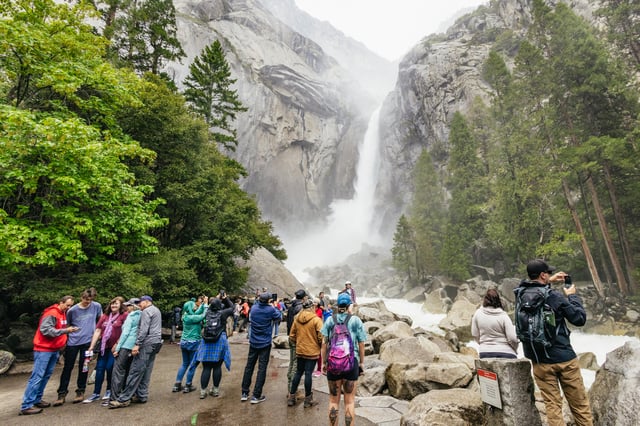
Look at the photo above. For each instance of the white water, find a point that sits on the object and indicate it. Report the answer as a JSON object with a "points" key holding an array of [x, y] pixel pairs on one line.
{"points": [[598, 344], [349, 224]]}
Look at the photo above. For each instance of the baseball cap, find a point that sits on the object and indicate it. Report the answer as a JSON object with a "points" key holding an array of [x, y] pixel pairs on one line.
{"points": [[300, 294], [147, 298], [264, 297], [132, 301], [344, 300], [307, 303], [537, 266], [348, 282]]}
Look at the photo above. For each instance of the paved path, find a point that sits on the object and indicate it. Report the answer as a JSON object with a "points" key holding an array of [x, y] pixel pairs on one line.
{"points": [[167, 408]]}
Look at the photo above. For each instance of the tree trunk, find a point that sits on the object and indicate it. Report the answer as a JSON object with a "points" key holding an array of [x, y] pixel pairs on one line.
{"points": [[613, 256], [583, 241]]}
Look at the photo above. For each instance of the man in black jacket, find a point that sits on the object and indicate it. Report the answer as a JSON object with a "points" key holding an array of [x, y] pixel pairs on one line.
{"points": [[296, 306], [557, 366]]}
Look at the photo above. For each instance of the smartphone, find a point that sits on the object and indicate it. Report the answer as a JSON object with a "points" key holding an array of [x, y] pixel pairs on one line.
{"points": [[567, 281]]}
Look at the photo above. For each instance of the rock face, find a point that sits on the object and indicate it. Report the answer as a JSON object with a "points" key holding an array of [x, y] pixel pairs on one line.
{"points": [[452, 407], [306, 113], [267, 271], [614, 395]]}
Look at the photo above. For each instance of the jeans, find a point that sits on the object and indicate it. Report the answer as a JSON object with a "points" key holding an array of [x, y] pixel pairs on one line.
{"points": [[207, 369], [305, 366], [104, 365], [140, 373], [276, 327], [71, 353], [262, 356], [189, 362], [43, 365], [120, 372], [293, 365]]}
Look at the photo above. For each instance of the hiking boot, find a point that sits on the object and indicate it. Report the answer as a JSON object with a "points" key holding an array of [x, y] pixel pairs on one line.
{"points": [[291, 400], [188, 388], [58, 402], [203, 393], [118, 404], [214, 391], [78, 398], [136, 400], [42, 404], [177, 387], [309, 402], [30, 411]]}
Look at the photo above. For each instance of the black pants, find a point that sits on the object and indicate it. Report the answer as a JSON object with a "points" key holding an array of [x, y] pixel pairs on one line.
{"points": [[207, 369], [306, 366], [71, 353], [262, 356]]}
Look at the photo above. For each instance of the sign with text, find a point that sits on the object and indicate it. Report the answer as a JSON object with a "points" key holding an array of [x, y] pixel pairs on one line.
{"points": [[489, 388]]}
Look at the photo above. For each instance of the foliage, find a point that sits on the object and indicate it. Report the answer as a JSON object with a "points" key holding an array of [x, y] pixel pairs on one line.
{"points": [[208, 90]]}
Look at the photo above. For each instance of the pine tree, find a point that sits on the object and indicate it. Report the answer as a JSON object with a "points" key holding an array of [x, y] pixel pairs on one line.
{"points": [[208, 89]]}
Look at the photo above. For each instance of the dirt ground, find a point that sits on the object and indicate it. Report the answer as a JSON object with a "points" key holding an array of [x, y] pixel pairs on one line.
{"points": [[167, 408]]}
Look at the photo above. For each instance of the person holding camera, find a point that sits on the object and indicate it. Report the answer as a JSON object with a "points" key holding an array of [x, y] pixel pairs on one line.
{"points": [[557, 366]]}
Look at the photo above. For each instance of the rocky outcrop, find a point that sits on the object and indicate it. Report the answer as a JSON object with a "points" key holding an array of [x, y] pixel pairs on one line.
{"points": [[267, 271], [614, 394], [445, 407]]}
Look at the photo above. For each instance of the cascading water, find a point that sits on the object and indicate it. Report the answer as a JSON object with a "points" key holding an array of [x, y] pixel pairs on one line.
{"points": [[350, 223]]}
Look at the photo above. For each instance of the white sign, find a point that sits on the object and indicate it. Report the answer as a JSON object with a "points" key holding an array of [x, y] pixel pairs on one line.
{"points": [[489, 388]]}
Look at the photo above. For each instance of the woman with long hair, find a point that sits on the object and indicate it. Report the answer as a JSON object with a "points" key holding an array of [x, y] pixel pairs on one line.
{"points": [[108, 331], [492, 328]]}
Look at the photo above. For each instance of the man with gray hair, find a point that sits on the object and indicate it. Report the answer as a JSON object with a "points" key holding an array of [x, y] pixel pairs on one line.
{"points": [[148, 344]]}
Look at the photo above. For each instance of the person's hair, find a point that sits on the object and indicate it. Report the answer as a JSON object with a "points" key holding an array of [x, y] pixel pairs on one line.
{"points": [[90, 292], [64, 299], [107, 309], [492, 299]]}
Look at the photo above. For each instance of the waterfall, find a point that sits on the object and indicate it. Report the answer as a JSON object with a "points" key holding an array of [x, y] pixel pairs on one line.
{"points": [[350, 223]]}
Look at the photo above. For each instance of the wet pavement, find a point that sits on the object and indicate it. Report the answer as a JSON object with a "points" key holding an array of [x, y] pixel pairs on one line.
{"points": [[167, 408]]}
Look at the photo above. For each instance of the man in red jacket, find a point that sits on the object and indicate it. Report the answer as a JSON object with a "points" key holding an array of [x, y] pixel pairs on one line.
{"points": [[50, 338]]}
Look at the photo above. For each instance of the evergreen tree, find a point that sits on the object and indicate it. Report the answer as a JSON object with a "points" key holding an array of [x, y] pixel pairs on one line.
{"points": [[208, 89], [403, 251]]}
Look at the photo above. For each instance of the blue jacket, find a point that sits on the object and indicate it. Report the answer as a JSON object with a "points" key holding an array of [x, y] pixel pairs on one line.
{"points": [[129, 331], [569, 309], [261, 317]]}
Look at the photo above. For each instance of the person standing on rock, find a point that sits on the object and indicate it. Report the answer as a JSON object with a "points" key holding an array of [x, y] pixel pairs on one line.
{"points": [[493, 330], [344, 383], [294, 309], [260, 322], [148, 344], [84, 316], [557, 366], [348, 289], [50, 338], [305, 335]]}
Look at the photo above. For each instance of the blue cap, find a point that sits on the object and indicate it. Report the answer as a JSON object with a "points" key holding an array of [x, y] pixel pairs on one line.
{"points": [[146, 298], [344, 299]]}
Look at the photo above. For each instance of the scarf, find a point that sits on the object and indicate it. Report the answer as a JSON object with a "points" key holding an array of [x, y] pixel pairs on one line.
{"points": [[106, 334]]}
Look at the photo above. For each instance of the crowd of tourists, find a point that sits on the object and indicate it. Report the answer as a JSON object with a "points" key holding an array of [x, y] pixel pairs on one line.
{"points": [[125, 337]]}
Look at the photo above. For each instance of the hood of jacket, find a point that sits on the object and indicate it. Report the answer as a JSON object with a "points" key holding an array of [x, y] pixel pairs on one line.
{"points": [[490, 310], [305, 316]]}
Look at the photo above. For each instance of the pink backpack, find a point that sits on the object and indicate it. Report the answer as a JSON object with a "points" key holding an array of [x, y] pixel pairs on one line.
{"points": [[341, 357]]}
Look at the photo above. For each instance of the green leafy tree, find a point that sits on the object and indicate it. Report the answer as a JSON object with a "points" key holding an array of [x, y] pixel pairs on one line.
{"points": [[403, 251], [208, 89]]}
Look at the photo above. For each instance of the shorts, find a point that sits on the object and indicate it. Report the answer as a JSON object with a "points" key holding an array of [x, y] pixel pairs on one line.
{"points": [[350, 375]]}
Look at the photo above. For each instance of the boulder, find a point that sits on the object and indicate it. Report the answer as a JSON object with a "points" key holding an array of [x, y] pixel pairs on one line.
{"points": [[407, 380], [588, 361], [372, 382], [465, 291], [434, 303], [408, 349], [6, 360], [372, 326], [396, 329], [281, 342], [458, 320], [614, 395], [415, 295], [453, 357], [450, 407], [443, 342]]}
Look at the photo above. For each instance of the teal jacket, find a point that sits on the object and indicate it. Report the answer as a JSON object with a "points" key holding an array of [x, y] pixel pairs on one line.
{"points": [[192, 321], [129, 331]]}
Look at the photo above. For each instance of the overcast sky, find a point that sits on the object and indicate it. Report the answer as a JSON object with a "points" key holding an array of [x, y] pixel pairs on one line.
{"points": [[389, 28]]}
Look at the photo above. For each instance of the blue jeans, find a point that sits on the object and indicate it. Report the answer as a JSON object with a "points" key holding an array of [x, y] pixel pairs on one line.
{"points": [[189, 351], [306, 367], [104, 365], [43, 365], [262, 356]]}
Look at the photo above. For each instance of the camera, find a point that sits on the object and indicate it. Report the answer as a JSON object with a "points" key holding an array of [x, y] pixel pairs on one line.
{"points": [[567, 281]]}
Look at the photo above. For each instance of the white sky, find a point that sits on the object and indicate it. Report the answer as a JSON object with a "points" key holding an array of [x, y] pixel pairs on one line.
{"points": [[388, 27]]}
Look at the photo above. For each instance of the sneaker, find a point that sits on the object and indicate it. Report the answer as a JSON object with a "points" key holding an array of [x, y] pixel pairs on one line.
{"points": [[317, 373], [214, 391], [93, 397], [188, 388], [244, 396], [107, 395], [105, 403], [118, 404], [203, 393], [177, 387], [258, 400]]}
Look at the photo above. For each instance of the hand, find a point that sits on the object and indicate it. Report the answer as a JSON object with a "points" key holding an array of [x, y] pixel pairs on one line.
{"points": [[115, 353], [569, 291], [361, 370], [135, 350], [72, 329], [558, 277]]}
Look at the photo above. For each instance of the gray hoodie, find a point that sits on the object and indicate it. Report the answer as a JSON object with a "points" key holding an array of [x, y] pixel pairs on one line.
{"points": [[493, 330], [150, 327]]}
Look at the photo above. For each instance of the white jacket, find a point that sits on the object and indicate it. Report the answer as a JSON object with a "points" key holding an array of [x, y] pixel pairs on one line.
{"points": [[493, 330]]}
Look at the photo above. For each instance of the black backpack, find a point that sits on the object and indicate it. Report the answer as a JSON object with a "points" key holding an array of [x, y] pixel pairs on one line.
{"points": [[535, 319], [213, 326]]}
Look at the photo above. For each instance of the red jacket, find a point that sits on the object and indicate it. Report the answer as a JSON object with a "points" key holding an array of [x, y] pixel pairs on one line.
{"points": [[42, 343]]}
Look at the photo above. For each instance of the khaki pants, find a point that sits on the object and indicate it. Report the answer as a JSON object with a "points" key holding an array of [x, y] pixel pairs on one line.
{"points": [[549, 378]]}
